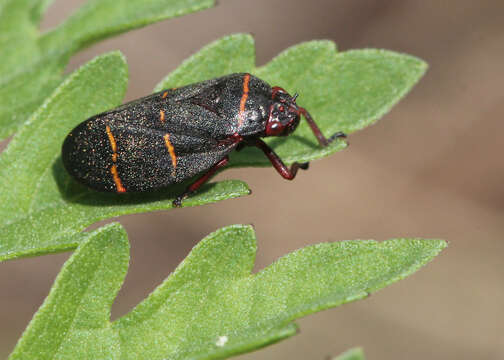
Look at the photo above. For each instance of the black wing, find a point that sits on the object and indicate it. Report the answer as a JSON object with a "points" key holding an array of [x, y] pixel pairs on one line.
{"points": [[209, 109], [167, 137], [121, 157]]}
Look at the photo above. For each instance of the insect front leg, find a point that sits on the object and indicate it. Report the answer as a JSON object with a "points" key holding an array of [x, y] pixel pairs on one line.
{"points": [[323, 141], [287, 173], [200, 181]]}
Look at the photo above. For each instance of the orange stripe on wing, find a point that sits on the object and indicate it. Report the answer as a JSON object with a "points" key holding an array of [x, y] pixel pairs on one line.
{"points": [[111, 138], [171, 151], [244, 98], [113, 170], [117, 179], [162, 116]]}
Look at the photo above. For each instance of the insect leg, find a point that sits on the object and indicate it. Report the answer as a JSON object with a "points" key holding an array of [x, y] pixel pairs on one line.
{"points": [[323, 141], [282, 169], [200, 181]]}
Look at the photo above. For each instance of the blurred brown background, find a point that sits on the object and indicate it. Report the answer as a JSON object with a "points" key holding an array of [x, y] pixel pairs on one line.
{"points": [[432, 167]]}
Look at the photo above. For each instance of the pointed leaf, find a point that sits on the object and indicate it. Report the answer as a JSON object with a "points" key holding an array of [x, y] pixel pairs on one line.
{"points": [[42, 208], [230, 54], [343, 91], [74, 320], [99, 19], [211, 307], [32, 64]]}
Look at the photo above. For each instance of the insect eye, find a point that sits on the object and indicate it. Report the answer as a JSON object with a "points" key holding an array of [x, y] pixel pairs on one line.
{"points": [[281, 108]]}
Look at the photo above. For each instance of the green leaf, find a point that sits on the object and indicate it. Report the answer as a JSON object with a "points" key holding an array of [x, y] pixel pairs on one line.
{"points": [[32, 63], [230, 54], [74, 320], [99, 19], [42, 208], [211, 307], [352, 354], [342, 91]]}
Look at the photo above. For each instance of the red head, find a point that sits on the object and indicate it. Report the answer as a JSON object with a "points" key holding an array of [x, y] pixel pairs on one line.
{"points": [[284, 114]]}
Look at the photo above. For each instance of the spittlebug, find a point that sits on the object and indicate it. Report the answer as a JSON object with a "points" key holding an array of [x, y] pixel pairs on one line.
{"points": [[173, 135]]}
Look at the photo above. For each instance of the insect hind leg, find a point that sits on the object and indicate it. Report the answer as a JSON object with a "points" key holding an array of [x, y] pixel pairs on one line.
{"points": [[200, 181]]}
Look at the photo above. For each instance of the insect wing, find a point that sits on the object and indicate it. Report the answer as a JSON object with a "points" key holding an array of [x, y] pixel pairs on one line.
{"points": [[115, 156]]}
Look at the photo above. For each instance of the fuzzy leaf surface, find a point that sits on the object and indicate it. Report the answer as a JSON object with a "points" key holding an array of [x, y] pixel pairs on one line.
{"points": [[212, 306], [42, 207], [32, 63], [74, 320], [343, 91]]}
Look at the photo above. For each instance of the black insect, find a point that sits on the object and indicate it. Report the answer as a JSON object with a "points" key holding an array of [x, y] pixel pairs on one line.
{"points": [[170, 136]]}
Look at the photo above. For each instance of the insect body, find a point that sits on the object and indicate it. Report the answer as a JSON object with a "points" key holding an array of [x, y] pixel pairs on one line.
{"points": [[173, 135]]}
